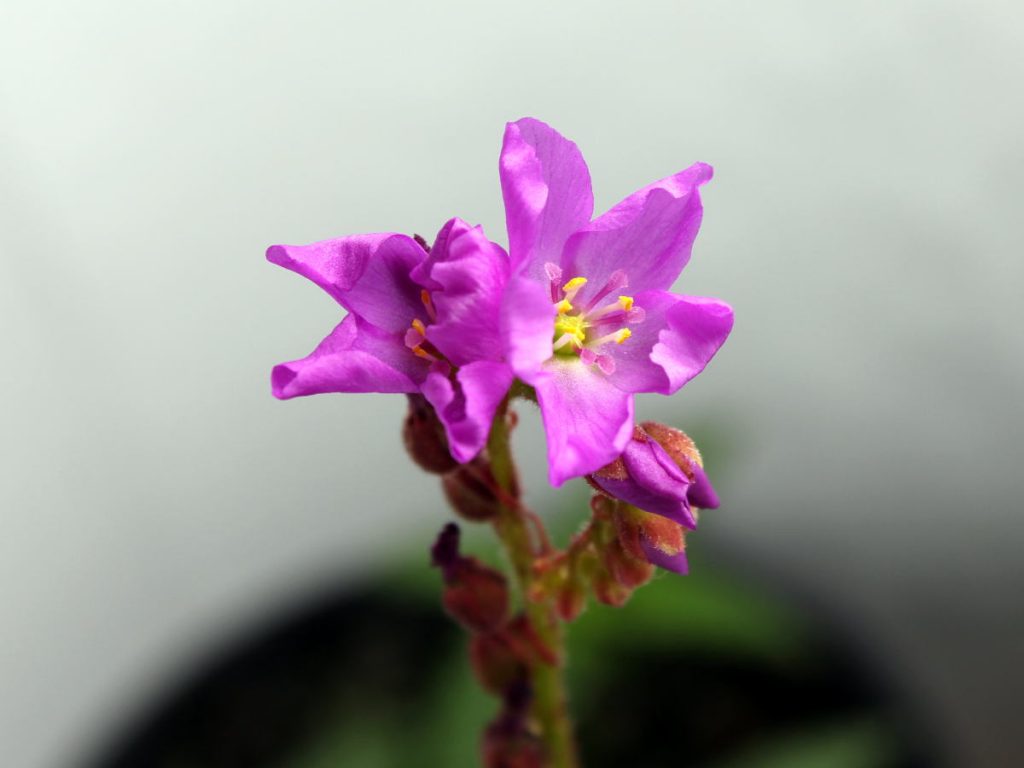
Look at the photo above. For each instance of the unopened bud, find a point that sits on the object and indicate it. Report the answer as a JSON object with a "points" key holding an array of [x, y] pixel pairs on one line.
{"points": [[652, 538], [508, 741], [630, 571], [470, 489], [475, 595], [571, 600], [684, 453], [609, 590], [424, 438], [496, 665], [506, 747], [527, 644], [646, 476]]}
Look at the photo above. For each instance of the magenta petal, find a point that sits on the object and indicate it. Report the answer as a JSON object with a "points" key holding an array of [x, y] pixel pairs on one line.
{"points": [[546, 186], [527, 326], [653, 483], [695, 329], [649, 235], [587, 419], [467, 408], [660, 480], [676, 563], [354, 357], [635, 371], [335, 265], [702, 495], [367, 274], [676, 340], [466, 274]]}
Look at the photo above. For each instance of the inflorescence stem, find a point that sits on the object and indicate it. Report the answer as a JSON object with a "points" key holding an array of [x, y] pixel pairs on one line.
{"points": [[550, 701]]}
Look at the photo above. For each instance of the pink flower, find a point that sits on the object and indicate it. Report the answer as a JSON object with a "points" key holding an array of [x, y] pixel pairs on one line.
{"points": [[587, 318], [418, 322]]}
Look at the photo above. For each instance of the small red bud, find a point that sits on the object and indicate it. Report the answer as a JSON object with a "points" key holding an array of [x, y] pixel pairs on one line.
{"points": [[511, 747], [626, 569], [476, 596], [635, 526], [570, 601], [527, 644], [470, 490], [424, 437], [495, 664], [609, 591]]}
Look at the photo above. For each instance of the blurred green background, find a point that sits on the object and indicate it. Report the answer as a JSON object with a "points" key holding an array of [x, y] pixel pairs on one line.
{"points": [[713, 669]]}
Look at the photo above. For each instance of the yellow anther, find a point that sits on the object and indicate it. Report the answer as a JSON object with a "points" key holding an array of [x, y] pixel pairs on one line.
{"points": [[626, 302], [420, 328], [428, 304], [622, 334], [420, 352], [563, 306], [575, 284]]}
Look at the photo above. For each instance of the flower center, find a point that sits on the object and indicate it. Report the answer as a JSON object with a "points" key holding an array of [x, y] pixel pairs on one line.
{"points": [[583, 328], [416, 335]]}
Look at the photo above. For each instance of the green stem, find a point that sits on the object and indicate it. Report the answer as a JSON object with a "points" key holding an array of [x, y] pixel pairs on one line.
{"points": [[550, 707]]}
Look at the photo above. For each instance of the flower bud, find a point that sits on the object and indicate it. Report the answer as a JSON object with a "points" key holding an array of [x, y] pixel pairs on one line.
{"points": [[470, 490], [424, 438], [630, 571], [571, 599], [608, 590], [496, 665], [508, 741], [684, 453], [475, 595], [527, 644], [648, 477], [652, 538], [512, 749]]}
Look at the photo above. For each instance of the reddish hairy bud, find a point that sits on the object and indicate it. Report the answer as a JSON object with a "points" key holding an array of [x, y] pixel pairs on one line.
{"points": [[496, 665], [470, 489], [630, 571], [652, 538], [609, 591], [676, 443], [682, 450], [424, 437], [571, 600], [475, 595], [527, 644], [508, 741]]}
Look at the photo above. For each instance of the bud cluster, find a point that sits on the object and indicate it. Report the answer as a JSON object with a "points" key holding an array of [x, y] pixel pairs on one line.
{"points": [[645, 502], [502, 649], [470, 488]]}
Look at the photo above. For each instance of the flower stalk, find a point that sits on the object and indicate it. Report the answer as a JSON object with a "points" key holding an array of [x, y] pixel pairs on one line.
{"points": [[550, 699]]}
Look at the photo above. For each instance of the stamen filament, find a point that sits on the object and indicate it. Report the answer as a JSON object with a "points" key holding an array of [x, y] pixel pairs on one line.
{"points": [[616, 281], [618, 337]]}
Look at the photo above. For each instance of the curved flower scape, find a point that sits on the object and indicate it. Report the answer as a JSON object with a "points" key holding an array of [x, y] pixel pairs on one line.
{"points": [[587, 317], [413, 324]]}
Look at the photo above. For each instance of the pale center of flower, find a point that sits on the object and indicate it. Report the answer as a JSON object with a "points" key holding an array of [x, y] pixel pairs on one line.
{"points": [[583, 328]]}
